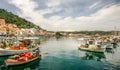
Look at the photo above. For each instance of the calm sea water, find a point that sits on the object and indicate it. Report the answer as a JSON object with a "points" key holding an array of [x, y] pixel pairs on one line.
{"points": [[63, 54]]}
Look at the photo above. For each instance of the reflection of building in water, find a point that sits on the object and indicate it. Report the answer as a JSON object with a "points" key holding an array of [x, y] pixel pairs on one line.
{"points": [[93, 56], [33, 66]]}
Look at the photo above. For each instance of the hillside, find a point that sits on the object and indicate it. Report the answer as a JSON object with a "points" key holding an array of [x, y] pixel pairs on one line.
{"points": [[14, 19]]}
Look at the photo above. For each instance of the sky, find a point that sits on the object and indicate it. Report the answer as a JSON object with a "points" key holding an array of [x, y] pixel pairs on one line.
{"points": [[68, 15]]}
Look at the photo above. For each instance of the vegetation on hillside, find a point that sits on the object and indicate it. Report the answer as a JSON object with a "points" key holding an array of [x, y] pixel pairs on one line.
{"points": [[58, 34], [90, 32], [96, 32], [14, 19]]}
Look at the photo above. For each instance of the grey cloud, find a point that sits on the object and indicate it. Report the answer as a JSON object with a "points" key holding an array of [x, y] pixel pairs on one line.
{"points": [[5, 5], [77, 8], [41, 4]]}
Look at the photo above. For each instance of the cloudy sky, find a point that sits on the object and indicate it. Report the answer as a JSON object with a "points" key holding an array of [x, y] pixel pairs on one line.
{"points": [[68, 15]]}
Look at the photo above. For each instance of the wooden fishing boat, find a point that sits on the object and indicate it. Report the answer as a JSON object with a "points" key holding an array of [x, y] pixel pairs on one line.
{"points": [[6, 52], [17, 45], [102, 50], [12, 62], [92, 46]]}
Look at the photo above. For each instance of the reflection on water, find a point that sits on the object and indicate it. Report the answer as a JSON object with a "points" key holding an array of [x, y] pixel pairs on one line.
{"points": [[110, 50], [93, 56], [63, 54], [2, 60]]}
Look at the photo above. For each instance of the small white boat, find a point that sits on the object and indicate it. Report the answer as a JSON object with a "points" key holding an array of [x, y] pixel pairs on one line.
{"points": [[90, 45], [109, 46], [93, 48], [6, 52]]}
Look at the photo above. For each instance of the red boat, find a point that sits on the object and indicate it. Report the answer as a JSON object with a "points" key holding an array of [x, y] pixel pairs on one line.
{"points": [[22, 58]]}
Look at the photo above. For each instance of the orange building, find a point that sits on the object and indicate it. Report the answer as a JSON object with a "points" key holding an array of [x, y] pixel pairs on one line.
{"points": [[2, 22]]}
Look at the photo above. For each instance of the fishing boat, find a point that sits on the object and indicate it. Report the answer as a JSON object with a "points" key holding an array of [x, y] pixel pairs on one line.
{"points": [[17, 47], [7, 52], [22, 58], [90, 45], [93, 48], [109, 46], [19, 63]]}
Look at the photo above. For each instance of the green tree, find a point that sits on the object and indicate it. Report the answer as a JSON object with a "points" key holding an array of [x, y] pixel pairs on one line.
{"points": [[14, 19]]}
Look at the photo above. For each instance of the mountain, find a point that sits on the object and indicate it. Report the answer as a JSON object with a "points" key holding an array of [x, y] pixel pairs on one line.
{"points": [[14, 19]]}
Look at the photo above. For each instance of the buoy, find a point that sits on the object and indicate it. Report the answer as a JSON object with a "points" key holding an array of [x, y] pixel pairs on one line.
{"points": [[46, 52]]}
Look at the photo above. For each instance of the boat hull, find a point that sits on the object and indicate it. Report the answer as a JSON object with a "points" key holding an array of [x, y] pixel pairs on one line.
{"points": [[6, 52], [102, 50], [20, 63]]}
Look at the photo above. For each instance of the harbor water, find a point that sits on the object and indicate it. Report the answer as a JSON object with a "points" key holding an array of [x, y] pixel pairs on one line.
{"points": [[63, 54]]}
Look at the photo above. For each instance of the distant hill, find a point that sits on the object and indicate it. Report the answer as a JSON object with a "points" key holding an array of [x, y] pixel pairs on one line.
{"points": [[14, 19]]}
